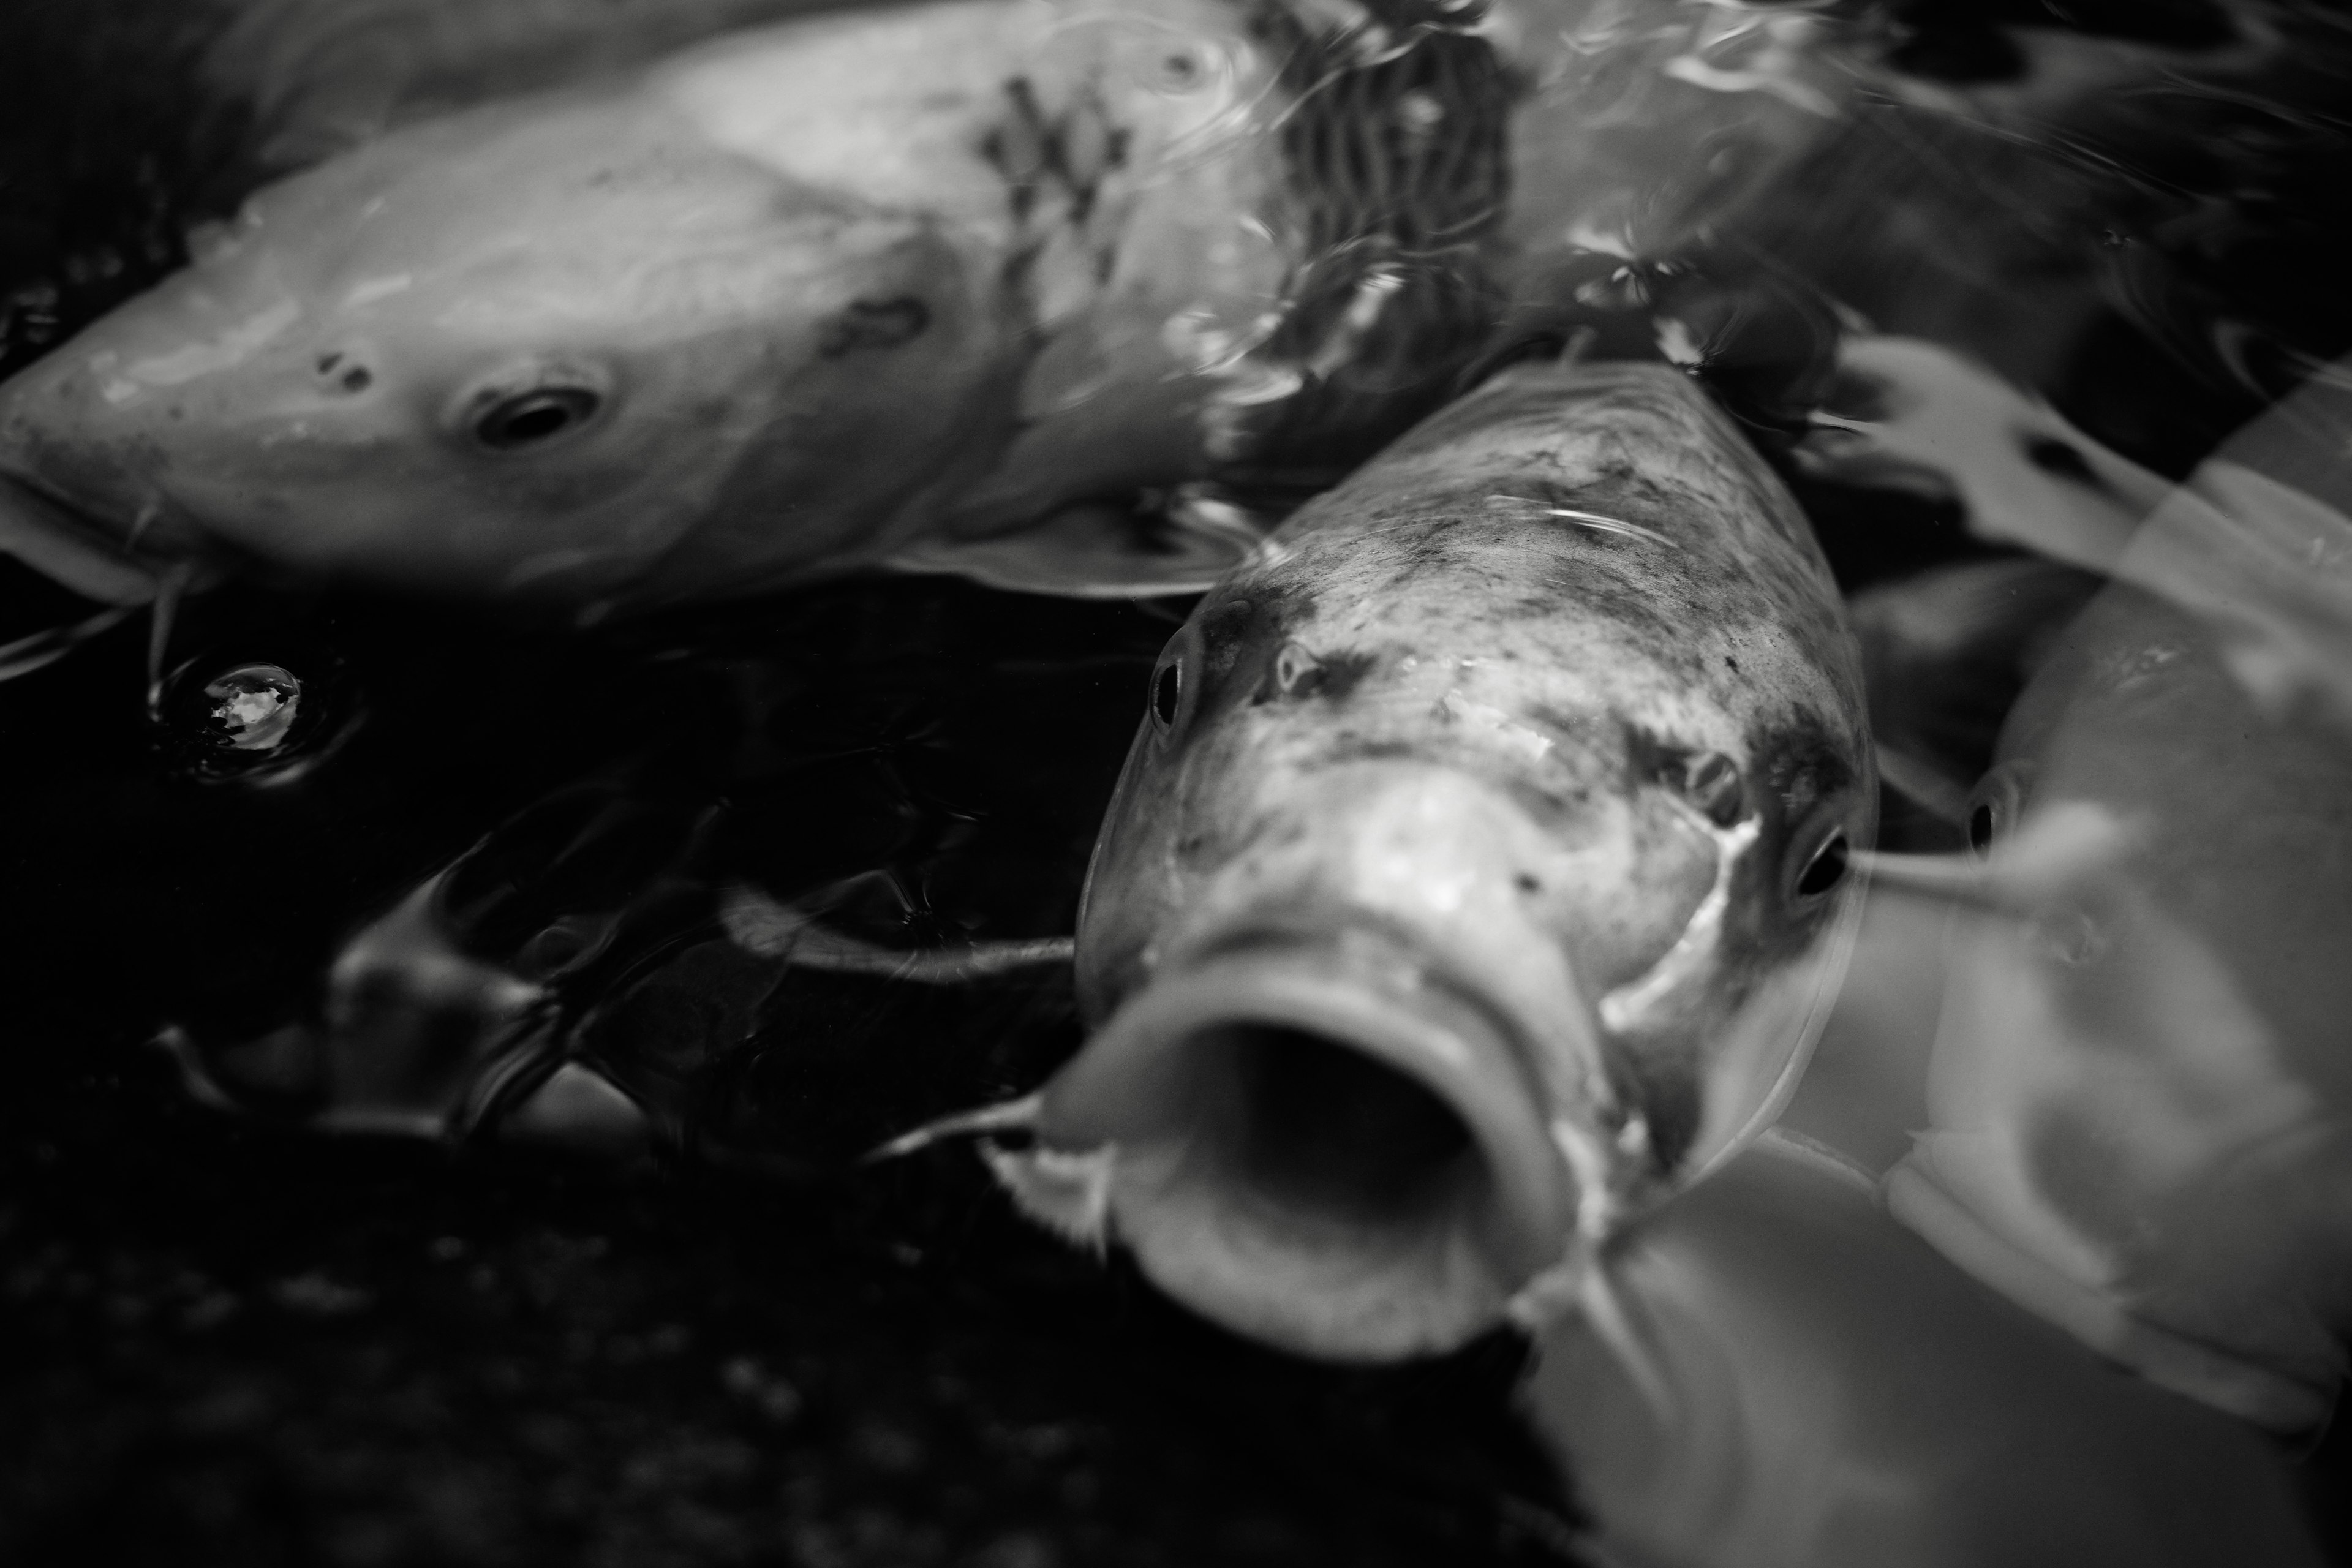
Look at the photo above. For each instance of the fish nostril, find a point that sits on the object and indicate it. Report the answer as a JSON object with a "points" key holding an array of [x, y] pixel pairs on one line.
{"points": [[1712, 784], [338, 370]]}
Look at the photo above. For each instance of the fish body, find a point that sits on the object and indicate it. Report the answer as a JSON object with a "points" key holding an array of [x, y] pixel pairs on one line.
{"points": [[1474, 880], [2130, 1118], [1832, 1392], [2139, 1087], [947, 287]]}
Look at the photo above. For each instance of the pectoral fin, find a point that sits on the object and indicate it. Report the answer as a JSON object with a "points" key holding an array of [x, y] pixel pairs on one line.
{"points": [[1099, 551]]}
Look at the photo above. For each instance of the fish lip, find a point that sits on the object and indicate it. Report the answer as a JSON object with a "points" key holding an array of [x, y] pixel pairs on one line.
{"points": [[1273, 1275]]}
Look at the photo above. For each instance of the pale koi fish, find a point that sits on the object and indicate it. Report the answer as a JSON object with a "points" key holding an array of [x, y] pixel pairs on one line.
{"points": [[2131, 1120]]}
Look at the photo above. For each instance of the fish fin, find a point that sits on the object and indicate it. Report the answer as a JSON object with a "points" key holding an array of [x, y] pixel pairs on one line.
{"points": [[1101, 551], [2266, 567], [195, 1074], [1943, 421], [1068, 1191], [578, 1108]]}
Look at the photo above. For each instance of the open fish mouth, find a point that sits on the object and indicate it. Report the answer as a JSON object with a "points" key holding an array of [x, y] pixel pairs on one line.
{"points": [[1320, 1141]]}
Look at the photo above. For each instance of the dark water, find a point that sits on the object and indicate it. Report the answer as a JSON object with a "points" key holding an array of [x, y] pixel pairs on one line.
{"points": [[230, 1338]]}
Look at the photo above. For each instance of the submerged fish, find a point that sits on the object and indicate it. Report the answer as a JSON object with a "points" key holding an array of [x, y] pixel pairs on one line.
{"points": [[2138, 1089], [790, 303], [1475, 880], [891, 286], [1833, 1395], [2132, 1118]]}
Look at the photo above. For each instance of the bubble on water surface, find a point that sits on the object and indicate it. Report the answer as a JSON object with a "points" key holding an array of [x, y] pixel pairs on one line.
{"points": [[222, 718]]}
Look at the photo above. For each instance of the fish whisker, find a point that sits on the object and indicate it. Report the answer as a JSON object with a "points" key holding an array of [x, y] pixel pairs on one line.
{"points": [[1006, 1116]]}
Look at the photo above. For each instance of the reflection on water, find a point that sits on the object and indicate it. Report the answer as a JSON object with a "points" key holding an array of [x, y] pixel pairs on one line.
{"points": [[606, 917]]}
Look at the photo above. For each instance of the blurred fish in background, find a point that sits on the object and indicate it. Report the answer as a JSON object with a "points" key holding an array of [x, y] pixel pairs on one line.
{"points": [[1101, 275]]}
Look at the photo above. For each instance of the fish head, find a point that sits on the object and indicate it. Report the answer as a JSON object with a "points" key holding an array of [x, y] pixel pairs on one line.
{"points": [[1459, 898], [556, 348]]}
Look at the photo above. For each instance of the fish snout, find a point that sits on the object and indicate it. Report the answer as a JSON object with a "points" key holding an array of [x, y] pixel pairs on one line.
{"points": [[1329, 1109], [1321, 1144], [101, 425]]}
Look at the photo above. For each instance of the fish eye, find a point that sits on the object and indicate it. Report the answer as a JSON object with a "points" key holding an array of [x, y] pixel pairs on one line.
{"points": [[1826, 870], [534, 418], [875, 324], [1168, 693], [1994, 805], [525, 408]]}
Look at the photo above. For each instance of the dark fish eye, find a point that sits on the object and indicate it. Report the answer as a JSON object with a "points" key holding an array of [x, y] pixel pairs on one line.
{"points": [[1825, 870], [534, 418], [1993, 808], [875, 324], [1167, 693]]}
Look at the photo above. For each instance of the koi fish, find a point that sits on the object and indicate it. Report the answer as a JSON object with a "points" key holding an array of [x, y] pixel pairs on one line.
{"points": [[850, 289], [2137, 1096], [949, 287], [1475, 877], [2130, 1118]]}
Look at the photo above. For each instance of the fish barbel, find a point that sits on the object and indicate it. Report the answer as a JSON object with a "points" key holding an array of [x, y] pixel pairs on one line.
{"points": [[943, 287], [1474, 877]]}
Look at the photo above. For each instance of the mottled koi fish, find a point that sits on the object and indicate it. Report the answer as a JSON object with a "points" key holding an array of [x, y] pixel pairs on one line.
{"points": [[1475, 878]]}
